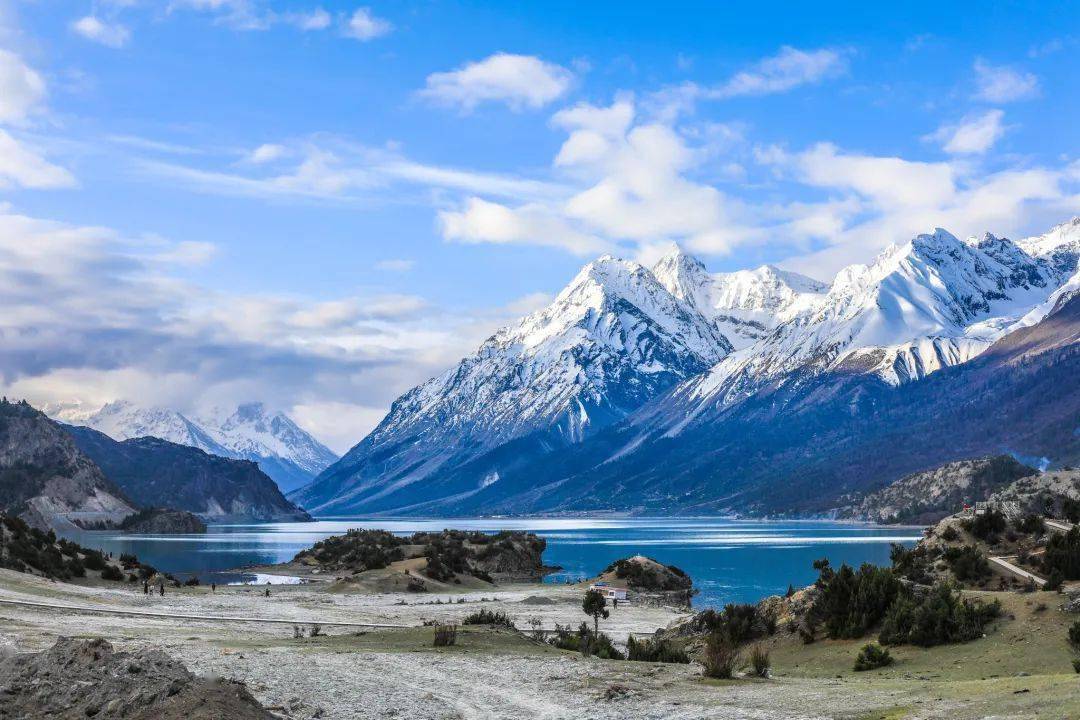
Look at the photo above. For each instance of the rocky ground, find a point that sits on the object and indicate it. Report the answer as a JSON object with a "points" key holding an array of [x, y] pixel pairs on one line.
{"points": [[490, 673]]}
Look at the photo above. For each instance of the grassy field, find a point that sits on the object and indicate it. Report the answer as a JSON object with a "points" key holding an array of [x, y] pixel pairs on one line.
{"points": [[1022, 668]]}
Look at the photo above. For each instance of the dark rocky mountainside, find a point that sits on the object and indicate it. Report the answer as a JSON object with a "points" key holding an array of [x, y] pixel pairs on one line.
{"points": [[76, 679], [45, 479], [163, 521], [925, 497], [158, 473]]}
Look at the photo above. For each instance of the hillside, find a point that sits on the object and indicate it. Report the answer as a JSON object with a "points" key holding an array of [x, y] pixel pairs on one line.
{"points": [[925, 497], [158, 473], [45, 479]]}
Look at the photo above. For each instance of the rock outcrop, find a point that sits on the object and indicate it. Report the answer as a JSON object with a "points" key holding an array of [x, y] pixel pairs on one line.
{"points": [[163, 521], [78, 679], [650, 582]]}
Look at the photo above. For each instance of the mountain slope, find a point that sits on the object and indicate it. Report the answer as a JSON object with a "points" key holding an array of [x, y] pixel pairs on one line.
{"points": [[799, 447], [612, 339], [45, 479], [159, 473], [284, 451]]}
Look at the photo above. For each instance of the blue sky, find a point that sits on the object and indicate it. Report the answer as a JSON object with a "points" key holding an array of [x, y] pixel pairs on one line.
{"points": [[321, 204]]}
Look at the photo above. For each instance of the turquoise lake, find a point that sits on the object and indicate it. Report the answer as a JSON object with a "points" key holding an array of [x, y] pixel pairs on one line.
{"points": [[729, 560]]}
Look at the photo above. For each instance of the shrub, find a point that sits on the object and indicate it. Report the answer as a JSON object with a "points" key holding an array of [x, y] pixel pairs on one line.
{"points": [[483, 616], [1076, 665], [1054, 581], [950, 534], [653, 650], [1074, 634], [191, 582], [111, 572], [1031, 524], [741, 622], [942, 616], [565, 638], [759, 660], [914, 564], [721, 656], [988, 525], [93, 560], [445, 635], [872, 657], [967, 563], [1063, 554], [852, 602]]}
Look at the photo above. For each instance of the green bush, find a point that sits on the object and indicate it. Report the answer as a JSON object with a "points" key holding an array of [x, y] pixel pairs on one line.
{"points": [[1074, 634], [1054, 581], [484, 616], [111, 572], [1063, 554], [93, 560], [721, 656], [1031, 524], [853, 602], [950, 534], [988, 525], [967, 563], [941, 616], [872, 657], [653, 650], [760, 661]]}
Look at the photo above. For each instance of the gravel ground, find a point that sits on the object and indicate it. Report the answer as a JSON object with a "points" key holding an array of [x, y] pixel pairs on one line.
{"points": [[349, 676]]}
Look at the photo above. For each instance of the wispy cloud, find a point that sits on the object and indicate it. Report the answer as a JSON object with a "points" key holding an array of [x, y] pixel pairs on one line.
{"points": [[1001, 83], [973, 135], [519, 81], [788, 69], [103, 32], [22, 89], [363, 25]]}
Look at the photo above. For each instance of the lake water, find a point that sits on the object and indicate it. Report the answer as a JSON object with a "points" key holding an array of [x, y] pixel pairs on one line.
{"points": [[729, 560]]}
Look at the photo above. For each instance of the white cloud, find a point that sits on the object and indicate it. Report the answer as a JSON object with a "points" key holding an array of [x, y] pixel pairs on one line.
{"points": [[519, 81], [480, 221], [94, 316], [363, 25], [787, 70], [317, 19], [110, 34], [1000, 83], [267, 152], [395, 265], [22, 90], [21, 166], [973, 135]]}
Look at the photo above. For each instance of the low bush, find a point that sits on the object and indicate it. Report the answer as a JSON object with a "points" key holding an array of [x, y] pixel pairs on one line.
{"points": [[1074, 634], [853, 602], [483, 616], [988, 525], [111, 572], [191, 582], [1031, 524], [1054, 581], [967, 563], [721, 656], [586, 642], [941, 616], [445, 635], [759, 660], [652, 650], [872, 657], [1063, 554], [950, 534]]}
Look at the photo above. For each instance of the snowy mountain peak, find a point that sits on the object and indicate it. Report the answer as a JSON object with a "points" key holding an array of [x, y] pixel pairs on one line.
{"points": [[284, 451]]}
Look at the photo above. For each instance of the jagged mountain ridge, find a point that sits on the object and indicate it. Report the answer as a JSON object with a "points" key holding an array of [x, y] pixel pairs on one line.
{"points": [[284, 451], [614, 338], [921, 306]]}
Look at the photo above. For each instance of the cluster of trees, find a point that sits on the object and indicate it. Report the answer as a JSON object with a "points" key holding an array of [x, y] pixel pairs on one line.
{"points": [[358, 549], [638, 576], [1062, 556], [852, 603], [28, 549]]}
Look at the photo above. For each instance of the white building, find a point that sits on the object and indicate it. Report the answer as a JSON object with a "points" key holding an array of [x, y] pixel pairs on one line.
{"points": [[610, 592]]}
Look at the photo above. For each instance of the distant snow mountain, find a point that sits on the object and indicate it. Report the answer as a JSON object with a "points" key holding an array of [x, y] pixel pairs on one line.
{"points": [[285, 452], [637, 356]]}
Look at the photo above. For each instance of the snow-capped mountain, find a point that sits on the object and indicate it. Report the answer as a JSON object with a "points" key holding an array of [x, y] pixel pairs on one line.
{"points": [[626, 359], [744, 305], [929, 303], [285, 452], [611, 340]]}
